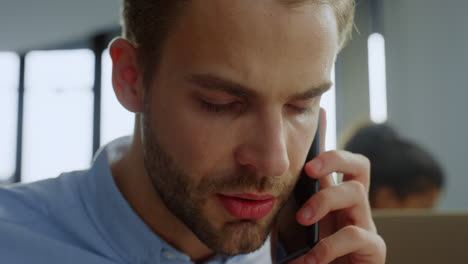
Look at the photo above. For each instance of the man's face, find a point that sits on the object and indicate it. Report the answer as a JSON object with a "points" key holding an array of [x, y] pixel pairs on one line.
{"points": [[425, 199], [232, 111]]}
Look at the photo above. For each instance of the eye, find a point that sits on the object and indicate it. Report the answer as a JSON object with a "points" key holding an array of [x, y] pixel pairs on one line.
{"points": [[219, 108], [299, 109]]}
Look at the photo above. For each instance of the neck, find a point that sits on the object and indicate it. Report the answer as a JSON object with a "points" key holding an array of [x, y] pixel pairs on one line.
{"points": [[135, 185]]}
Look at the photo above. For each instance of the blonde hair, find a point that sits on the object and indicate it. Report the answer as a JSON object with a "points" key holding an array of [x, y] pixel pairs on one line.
{"points": [[146, 24], [344, 10]]}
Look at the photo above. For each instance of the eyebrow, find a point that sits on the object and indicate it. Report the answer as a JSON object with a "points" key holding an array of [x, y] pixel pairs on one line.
{"points": [[215, 83], [211, 82], [313, 92]]}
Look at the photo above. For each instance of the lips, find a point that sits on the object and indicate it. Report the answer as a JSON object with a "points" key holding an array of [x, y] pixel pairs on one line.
{"points": [[246, 205]]}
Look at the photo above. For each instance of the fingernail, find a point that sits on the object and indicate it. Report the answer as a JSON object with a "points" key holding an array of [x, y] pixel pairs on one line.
{"points": [[307, 213], [316, 165], [310, 259]]}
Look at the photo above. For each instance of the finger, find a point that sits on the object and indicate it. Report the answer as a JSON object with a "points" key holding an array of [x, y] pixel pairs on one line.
{"points": [[353, 166], [362, 245], [349, 197], [326, 181]]}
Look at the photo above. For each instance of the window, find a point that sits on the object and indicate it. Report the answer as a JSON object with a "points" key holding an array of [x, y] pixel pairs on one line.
{"points": [[58, 112], [9, 67], [116, 121]]}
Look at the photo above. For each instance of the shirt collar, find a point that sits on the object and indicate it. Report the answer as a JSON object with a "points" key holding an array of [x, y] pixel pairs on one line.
{"points": [[118, 223]]}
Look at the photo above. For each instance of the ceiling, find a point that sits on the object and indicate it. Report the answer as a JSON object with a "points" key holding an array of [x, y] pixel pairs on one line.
{"points": [[26, 24]]}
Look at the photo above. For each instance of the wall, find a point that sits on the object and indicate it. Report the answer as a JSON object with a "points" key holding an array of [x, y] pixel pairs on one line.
{"points": [[427, 65]]}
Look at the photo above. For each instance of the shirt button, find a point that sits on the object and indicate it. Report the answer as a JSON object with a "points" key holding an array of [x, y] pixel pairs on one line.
{"points": [[169, 255]]}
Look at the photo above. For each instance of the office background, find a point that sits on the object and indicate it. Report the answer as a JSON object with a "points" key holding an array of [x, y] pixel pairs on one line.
{"points": [[57, 105]]}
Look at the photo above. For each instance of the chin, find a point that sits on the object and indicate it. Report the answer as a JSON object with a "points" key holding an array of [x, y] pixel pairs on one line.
{"points": [[241, 237]]}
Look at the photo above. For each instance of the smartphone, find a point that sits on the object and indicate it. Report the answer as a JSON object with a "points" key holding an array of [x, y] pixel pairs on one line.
{"points": [[290, 239]]}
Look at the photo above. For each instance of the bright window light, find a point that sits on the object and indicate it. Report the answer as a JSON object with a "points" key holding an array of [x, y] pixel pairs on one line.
{"points": [[328, 102], [377, 78], [9, 69], [116, 121], [58, 112]]}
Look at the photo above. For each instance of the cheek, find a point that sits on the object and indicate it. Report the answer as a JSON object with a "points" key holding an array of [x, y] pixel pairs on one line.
{"points": [[300, 137], [198, 145], [297, 154]]}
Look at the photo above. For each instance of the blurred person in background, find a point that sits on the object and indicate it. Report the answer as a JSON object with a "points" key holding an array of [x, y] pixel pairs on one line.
{"points": [[403, 174]]}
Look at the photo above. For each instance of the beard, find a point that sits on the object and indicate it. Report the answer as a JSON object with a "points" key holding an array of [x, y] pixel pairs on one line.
{"points": [[187, 198]]}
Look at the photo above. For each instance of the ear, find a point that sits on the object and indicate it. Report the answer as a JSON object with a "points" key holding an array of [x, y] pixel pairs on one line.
{"points": [[125, 75]]}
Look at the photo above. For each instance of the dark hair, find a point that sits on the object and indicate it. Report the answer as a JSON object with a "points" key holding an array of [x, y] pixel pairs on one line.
{"points": [[399, 164]]}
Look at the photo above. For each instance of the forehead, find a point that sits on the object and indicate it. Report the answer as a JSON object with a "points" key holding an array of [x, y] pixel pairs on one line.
{"points": [[256, 42]]}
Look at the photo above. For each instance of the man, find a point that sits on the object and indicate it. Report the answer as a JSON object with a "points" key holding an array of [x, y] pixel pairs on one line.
{"points": [[225, 95]]}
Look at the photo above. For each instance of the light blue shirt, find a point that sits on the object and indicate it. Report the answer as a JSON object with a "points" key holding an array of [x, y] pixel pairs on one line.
{"points": [[81, 217]]}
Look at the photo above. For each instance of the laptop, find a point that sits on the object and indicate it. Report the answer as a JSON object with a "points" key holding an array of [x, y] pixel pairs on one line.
{"points": [[425, 237]]}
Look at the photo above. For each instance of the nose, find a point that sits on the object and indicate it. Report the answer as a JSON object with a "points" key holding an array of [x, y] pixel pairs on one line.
{"points": [[264, 148]]}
